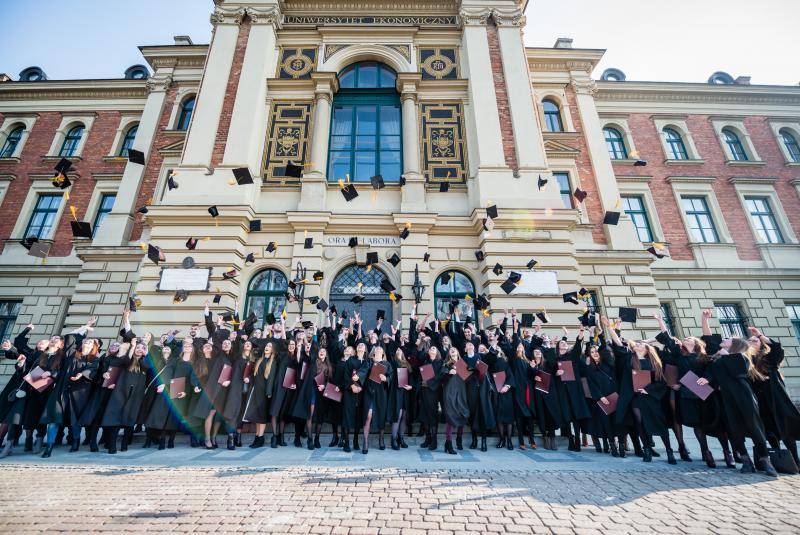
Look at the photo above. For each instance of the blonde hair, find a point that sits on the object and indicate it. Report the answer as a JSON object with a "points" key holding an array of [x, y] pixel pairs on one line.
{"points": [[451, 360]]}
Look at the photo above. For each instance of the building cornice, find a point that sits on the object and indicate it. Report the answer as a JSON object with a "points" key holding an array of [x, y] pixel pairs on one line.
{"points": [[372, 7], [697, 93], [74, 89], [564, 59], [158, 56]]}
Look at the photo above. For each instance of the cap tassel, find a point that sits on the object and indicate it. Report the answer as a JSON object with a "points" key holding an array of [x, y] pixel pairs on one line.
{"points": [[74, 212]]}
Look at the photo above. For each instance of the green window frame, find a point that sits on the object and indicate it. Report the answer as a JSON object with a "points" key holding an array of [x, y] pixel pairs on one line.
{"points": [[615, 143], [564, 188], [669, 319], [43, 217], [457, 287], [106, 205], [71, 141], [763, 219], [266, 293], [635, 208], [793, 311], [127, 143], [552, 116], [677, 148], [185, 118], [12, 141], [731, 320], [790, 142], [698, 216], [9, 310], [735, 145]]}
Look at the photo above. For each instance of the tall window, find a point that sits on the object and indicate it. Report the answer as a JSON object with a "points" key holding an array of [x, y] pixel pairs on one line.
{"points": [[677, 149], [763, 219], [615, 144], [9, 310], [13, 139], [106, 204], [790, 142], [730, 319], [43, 217], [698, 215], [452, 285], [793, 310], [552, 116], [266, 293], [186, 114], [593, 303], [735, 145], [634, 207], [564, 188], [366, 134], [669, 319], [127, 143], [71, 141]]}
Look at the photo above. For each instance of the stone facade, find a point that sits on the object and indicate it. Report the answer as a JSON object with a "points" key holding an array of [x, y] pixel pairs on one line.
{"points": [[482, 89]]}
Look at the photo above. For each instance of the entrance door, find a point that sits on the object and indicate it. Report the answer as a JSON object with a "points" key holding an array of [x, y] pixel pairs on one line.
{"points": [[345, 286]]}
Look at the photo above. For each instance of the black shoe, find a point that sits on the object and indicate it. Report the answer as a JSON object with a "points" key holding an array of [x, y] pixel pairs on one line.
{"points": [[257, 442], [571, 446], [671, 457], [381, 444], [434, 443], [730, 460], [162, 443], [502, 443], [758, 463], [654, 453], [238, 440], [365, 451], [273, 442], [334, 441], [622, 453], [708, 457], [208, 445], [29, 444], [426, 442], [192, 441], [747, 466], [171, 442], [647, 454], [76, 445], [310, 443], [684, 454], [316, 442], [474, 444], [282, 441], [48, 450], [737, 458], [766, 466], [394, 444], [459, 442], [111, 443], [448, 447], [147, 443], [606, 447], [231, 441], [483, 444], [401, 441], [355, 442], [509, 444], [297, 442], [346, 444], [614, 450]]}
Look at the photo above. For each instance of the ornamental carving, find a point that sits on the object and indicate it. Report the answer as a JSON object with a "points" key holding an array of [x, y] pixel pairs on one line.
{"points": [[587, 87], [269, 15], [475, 16], [443, 147], [330, 50], [287, 138], [227, 15], [508, 17], [438, 63], [404, 50], [297, 63], [158, 83]]}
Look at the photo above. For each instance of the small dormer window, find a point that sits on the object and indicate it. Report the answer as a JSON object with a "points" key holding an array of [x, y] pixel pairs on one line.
{"points": [[32, 74], [137, 72], [721, 78], [613, 75]]}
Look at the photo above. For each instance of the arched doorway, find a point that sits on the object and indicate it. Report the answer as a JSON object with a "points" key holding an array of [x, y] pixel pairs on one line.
{"points": [[451, 287], [346, 285]]}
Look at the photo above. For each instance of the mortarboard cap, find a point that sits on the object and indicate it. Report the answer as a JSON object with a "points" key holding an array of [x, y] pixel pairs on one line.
{"points": [[426, 257], [583, 292], [394, 260], [255, 225], [318, 276], [352, 242], [217, 298], [213, 211], [653, 250], [81, 229], [532, 263], [272, 247], [28, 242], [580, 195], [63, 166], [514, 277], [229, 275], [313, 299], [611, 218], [143, 209], [349, 192], [491, 211], [171, 184], [587, 319], [444, 187], [570, 297], [270, 319], [307, 324], [180, 296], [322, 305], [249, 258], [497, 269], [628, 314], [543, 317], [508, 286], [372, 258], [394, 297], [527, 320], [40, 249], [61, 181], [404, 233], [242, 176], [542, 182], [357, 298], [293, 170], [377, 182], [387, 286], [488, 224], [154, 253], [136, 156], [445, 277], [402, 180], [191, 243], [479, 255], [134, 303], [308, 243], [380, 314], [292, 285]]}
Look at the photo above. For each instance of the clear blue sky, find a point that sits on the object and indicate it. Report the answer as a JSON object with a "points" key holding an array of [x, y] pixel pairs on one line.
{"points": [[675, 40]]}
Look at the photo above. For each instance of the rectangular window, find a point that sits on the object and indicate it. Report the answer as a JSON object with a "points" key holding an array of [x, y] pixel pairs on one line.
{"points": [[698, 215], [730, 319], [793, 311], [43, 217], [106, 204], [593, 303], [9, 310], [763, 220], [564, 188], [634, 207], [666, 313]]}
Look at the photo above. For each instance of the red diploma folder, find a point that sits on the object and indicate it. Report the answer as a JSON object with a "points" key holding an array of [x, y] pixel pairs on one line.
{"points": [[426, 372], [303, 371], [375, 372], [544, 384], [289, 378], [225, 374], [176, 386], [113, 372], [569, 373], [499, 380], [320, 379], [402, 377], [671, 374], [332, 393], [248, 370], [641, 379], [35, 379], [482, 368], [690, 381], [586, 392], [612, 404], [462, 370]]}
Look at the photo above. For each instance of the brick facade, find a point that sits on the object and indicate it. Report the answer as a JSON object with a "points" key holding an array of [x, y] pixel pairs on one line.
{"points": [[501, 92]]}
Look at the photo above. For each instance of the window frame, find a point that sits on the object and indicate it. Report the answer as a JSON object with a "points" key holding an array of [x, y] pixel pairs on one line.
{"points": [[553, 120], [616, 147], [792, 147], [634, 216], [675, 144], [466, 308], [693, 216], [793, 313], [759, 216], [735, 146], [565, 194], [182, 113], [128, 140], [54, 211], [727, 323], [8, 320], [71, 143], [101, 212], [669, 318], [278, 294], [8, 150]]}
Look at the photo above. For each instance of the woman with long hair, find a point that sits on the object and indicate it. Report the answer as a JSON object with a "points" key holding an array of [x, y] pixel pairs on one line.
{"points": [[598, 369], [231, 410], [399, 400], [257, 407], [352, 384], [249, 354], [547, 407], [430, 392], [519, 366], [574, 409], [83, 394], [456, 409], [13, 396], [126, 399], [285, 354], [376, 398], [202, 357]]}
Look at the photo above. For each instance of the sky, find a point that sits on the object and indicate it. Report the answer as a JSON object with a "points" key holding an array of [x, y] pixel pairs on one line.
{"points": [[675, 40]]}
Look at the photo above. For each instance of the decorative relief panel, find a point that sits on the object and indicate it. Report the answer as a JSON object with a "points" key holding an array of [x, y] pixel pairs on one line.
{"points": [[405, 51], [444, 153], [287, 138], [330, 50], [297, 63], [438, 63]]}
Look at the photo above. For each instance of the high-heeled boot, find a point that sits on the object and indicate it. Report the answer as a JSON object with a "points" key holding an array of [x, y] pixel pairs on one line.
{"points": [[394, 444], [334, 440], [671, 457], [76, 444], [459, 442], [48, 450], [162, 442], [258, 442], [171, 440], [273, 442], [613, 446], [647, 454], [316, 441], [231, 445], [238, 439], [474, 443], [381, 443], [730, 460], [310, 443], [483, 443], [346, 442], [434, 441], [28, 443], [448, 447], [427, 441], [684, 453], [708, 457], [401, 441]]}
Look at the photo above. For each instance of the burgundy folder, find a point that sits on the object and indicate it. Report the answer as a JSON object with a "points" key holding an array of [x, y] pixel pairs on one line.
{"points": [[612, 404], [320, 379], [248, 370], [35, 379], [331, 392], [586, 392], [544, 384], [113, 372], [375, 372], [225, 373], [690, 381], [176, 387], [402, 377], [499, 380], [671, 374], [641, 378], [303, 371], [462, 369], [569, 372], [482, 368], [289, 378], [426, 372]]}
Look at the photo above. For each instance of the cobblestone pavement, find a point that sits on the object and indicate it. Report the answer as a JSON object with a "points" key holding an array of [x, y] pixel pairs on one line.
{"points": [[498, 491]]}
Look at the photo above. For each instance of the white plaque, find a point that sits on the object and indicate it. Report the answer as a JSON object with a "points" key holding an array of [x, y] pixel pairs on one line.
{"points": [[538, 283], [371, 241], [174, 279]]}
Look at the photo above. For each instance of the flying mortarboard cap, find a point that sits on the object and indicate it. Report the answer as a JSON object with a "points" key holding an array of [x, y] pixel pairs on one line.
{"points": [[394, 260], [497, 269], [40, 249], [255, 225], [242, 176], [292, 285], [377, 182], [543, 317], [479, 255], [63, 166], [313, 299], [270, 319], [191, 243], [271, 247], [445, 277], [488, 224], [542, 182], [444, 187], [587, 319], [180, 296], [532, 263], [571, 297], [349, 192], [81, 229], [293, 170], [352, 242], [318, 276], [357, 298], [217, 298], [387, 286], [639, 161], [404, 233], [322, 305], [402, 180], [508, 286], [228, 275], [136, 156], [611, 218], [307, 324], [527, 320], [227, 317], [380, 314], [453, 305], [249, 258], [628, 314], [171, 184], [514, 277], [308, 243], [655, 250], [28, 242], [61, 181], [154, 253], [394, 297], [372, 258], [580, 194], [213, 211], [143, 209], [134, 303], [583, 292], [491, 211], [426, 257]]}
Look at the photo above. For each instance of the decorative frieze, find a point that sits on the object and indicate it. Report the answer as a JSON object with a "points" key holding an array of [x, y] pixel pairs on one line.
{"points": [[287, 138], [297, 63], [404, 50], [388, 20], [227, 15], [332, 49], [442, 140], [438, 63]]}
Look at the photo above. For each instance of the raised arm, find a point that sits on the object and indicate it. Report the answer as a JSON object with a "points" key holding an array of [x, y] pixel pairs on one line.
{"points": [[704, 316]]}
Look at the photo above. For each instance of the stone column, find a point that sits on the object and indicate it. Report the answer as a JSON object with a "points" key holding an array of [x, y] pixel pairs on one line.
{"points": [[314, 189], [205, 119], [116, 227], [413, 193]]}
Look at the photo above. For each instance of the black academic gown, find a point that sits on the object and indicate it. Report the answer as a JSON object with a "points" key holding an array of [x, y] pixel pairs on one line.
{"points": [[83, 395], [126, 398], [306, 394], [602, 383], [430, 392], [570, 393], [167, 413], [232, 409], [56, 406], [523, 387], [456, 407], [376, 397], [12, 406], [547, 408], [350, 400], [480, 393], [653, 419], [729, 375], [780, 416]]}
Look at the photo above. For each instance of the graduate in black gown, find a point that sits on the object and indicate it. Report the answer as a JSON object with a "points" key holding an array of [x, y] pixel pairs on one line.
{"points": [[261, 386], [13, 396], [83, 394], [353, 379], [376, 397], [456, 408], [126, 398], [598, 369], [399, 399], [547, 407], [430, 393]]}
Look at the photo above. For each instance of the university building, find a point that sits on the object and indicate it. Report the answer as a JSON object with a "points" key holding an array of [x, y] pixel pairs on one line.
{"points": [[444, 102]]}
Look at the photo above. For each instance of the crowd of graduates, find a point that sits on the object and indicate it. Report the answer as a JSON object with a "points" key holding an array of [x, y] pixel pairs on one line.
{"points": [[503, 380]]}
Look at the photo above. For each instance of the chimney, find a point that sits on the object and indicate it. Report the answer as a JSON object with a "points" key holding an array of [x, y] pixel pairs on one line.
{"points": [[742, 80], [4, 77], [563, 42], [183, 40]]}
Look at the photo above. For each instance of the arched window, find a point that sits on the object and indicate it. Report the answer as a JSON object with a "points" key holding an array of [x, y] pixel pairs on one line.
{"points": [[552, 116], [127, 143], [615, 144], [451, 286], [266, 294], [677, 149], [790, 142], [735, 145], [71, 141], [13, 139], [186, 114], [356, 280], [366, 132]]}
